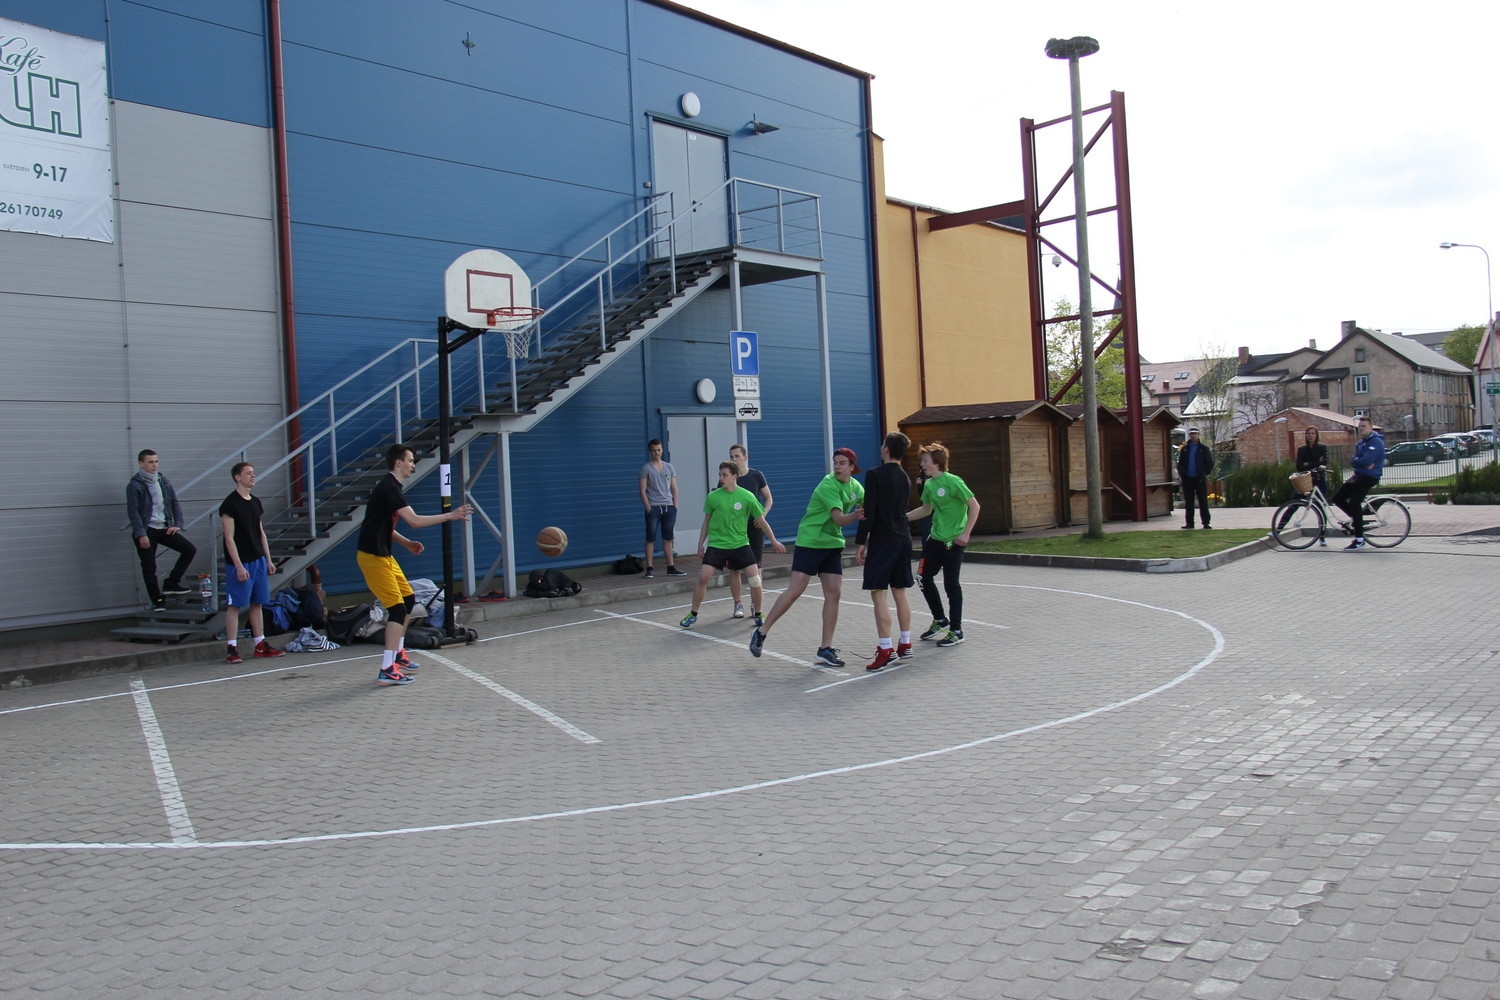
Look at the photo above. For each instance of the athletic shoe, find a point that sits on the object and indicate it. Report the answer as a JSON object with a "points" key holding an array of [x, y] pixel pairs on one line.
{"points": [[674, 571], [1187, 527], [883, 655], [1322, 543], [903, 651], [158, 606], [936, 629], [739, 610], [175, 589], [827, 656], [1207, 526], [687, 622], [1358, 543], [404, 663], [757, 640], [956, 636], [759, 619], [650, 573], [265, 651], [393, 676], [234, 655]]}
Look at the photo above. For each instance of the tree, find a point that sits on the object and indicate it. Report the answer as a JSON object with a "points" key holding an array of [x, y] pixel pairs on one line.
{"points": [[1064, 358], [1217, 373], [1462, 345]]}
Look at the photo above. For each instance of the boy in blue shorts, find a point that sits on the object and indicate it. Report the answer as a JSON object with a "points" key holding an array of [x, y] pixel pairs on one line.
{"points": [[724, 540], [247, 564], [834, 505]]}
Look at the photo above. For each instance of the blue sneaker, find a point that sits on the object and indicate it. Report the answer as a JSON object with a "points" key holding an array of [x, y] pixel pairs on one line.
{"points": [[759, 619], [687, 622], [827, 656], [757, 640], [405, 664], [393, 676]]}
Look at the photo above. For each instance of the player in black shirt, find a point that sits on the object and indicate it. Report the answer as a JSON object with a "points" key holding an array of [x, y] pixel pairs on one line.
{"points": [[884, 547], [381, 571]]}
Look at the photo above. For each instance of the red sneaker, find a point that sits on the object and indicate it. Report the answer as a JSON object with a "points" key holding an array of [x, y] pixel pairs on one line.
{"points": [[903, 651], [265, 651], [883, 655], [234, 655]]}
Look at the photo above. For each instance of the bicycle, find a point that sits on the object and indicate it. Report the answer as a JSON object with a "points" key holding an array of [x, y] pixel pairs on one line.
{"points": [[1300, 522]]}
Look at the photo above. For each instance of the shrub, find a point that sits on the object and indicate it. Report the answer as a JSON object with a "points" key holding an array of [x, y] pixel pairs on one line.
{"points": [[1478, 497], [1263, 484], [1438, 497], [1480, 479]]}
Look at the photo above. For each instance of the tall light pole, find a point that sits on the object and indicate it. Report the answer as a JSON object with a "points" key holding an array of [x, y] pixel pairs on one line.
{"points": [[1489, 325], [1074, 49]]}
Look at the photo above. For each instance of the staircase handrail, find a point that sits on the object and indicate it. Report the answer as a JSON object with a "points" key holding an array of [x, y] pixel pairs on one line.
{"points": [[320, 400]]}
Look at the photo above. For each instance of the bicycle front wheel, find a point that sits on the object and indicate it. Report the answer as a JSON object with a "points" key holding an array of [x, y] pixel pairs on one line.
{"points": [[1387, 522], [1297, 524]]}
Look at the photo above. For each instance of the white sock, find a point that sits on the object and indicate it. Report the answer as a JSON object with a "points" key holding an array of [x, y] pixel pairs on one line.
{"points": [[885, 643], [906, 638]]}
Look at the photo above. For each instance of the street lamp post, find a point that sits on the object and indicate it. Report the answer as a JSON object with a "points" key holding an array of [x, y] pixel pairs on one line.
{"points": [[1074, 49], [1280, 432], [1489, 325]]}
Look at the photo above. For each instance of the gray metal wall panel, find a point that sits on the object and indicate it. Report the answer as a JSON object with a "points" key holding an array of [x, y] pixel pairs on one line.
{"points": [[168, 340], [216, 166]]}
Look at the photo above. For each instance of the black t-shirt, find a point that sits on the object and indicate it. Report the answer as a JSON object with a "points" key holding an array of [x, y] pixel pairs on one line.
{"points": [[380, 517], [887, 494], [246, 515], [754, 481]]}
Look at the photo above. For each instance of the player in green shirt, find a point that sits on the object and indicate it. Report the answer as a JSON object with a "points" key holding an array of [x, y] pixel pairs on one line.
{"points": [[724, 540], [820, 552], [954, 513]]}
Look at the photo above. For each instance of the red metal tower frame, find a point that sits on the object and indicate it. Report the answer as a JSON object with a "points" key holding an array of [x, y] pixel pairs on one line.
{"points": [[1125, 327]]}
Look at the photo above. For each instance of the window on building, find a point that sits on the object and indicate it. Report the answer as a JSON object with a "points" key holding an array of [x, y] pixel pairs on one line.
{"points": [[1361, 383], [1183, 376], [1361, 413], [1148, 378], [1359, 354], [1323, 391]]}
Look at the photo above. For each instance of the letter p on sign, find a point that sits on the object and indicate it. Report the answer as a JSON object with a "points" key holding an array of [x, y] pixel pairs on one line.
{"points": [[744, 353]]}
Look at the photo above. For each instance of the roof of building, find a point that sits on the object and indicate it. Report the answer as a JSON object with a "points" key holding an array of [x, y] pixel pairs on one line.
{"points": [[1417, 354], [1010, 410]]}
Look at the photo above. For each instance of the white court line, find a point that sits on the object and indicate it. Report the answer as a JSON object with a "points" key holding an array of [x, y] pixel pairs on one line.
{"points": [[179, 825], [745, 646], [504, 692], [1214, 654]]}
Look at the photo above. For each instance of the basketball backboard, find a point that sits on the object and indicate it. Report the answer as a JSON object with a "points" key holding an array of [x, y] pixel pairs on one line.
{"points": [[481, 281]]}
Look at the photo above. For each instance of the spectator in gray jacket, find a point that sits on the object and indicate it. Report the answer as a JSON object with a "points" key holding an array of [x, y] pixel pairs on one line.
{"points": [[156, 519]]}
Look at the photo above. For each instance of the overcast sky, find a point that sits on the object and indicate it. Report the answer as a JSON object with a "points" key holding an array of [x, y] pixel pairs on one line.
{"points": [[1293, 164]]}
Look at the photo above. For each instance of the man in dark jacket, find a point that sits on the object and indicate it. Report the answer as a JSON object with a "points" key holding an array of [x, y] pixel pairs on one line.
{"points": [[1195, 463], [1365, 468], [156, 519]]}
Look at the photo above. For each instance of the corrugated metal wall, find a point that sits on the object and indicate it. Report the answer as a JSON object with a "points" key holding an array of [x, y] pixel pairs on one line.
{"points": [[407, 148]]}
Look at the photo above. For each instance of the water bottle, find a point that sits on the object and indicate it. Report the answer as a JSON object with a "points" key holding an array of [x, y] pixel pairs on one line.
{"points": [[206, 591]]}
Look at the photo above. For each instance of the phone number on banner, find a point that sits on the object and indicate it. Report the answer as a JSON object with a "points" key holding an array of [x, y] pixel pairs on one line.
{"points": [[36, 211]]}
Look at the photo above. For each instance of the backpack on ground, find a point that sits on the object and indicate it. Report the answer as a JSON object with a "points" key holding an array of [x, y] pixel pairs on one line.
{"points": [[629, 566], [551, 583], [353, 624]]}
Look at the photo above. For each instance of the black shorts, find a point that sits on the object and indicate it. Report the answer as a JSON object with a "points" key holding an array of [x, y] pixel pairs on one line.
{"points": [[740, 558], [816, 562], [757, 543], [888, 564]]}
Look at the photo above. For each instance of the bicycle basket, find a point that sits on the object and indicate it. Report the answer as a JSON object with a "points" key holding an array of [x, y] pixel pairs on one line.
{"points": [[1302, 482]]}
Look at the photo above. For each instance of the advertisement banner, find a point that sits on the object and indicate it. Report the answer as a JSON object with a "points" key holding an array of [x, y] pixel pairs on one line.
{"points": [[55, 172]]}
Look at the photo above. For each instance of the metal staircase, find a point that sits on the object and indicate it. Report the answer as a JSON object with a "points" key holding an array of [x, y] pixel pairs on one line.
{"points": [[346, 430]]}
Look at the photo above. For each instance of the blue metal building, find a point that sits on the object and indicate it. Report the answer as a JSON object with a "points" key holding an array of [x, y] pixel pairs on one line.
{"points": [[291, 180]]}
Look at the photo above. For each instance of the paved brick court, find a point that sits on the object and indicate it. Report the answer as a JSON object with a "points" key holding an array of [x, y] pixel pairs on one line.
{"points": [[1277, 779]]}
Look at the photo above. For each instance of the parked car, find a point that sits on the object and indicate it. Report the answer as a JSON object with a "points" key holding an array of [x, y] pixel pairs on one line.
{"points": [[1463, 444], [1415, 452], [1485, 435]]}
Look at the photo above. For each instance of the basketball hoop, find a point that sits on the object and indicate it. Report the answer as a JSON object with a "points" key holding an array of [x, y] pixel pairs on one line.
{"points": [[515, 323]]}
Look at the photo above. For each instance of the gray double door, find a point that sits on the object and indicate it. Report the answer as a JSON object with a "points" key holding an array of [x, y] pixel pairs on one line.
{"points": [[695, 447], [693, 167]]}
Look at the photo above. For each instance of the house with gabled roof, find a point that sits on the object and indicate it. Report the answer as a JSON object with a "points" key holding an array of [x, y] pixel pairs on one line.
{"points": [[1402, 385]]}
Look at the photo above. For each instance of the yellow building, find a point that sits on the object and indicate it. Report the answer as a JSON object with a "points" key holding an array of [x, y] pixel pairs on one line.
{"points": [[954, 312]]}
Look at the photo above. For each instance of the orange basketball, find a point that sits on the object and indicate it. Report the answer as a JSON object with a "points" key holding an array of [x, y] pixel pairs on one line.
{"points": [[552, 541]]}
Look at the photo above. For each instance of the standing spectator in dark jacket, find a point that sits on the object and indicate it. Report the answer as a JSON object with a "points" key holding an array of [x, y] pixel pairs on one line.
{"points": [[156, 519], [1313, 457], [1195, 463]]}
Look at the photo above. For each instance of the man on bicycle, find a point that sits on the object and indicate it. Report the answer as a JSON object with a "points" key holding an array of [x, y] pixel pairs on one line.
{"points": [[1369, 457]]}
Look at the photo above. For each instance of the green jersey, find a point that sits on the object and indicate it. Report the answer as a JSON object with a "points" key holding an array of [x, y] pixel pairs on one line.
{"points": [[949, 497], [817, 530], [729, 514]]}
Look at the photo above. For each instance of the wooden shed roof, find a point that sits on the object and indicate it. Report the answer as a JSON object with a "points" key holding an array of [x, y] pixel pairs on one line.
{"points": [[977, 411]]}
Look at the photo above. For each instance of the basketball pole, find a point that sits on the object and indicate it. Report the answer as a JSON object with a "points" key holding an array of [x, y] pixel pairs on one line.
{"points": [[446, 326]]}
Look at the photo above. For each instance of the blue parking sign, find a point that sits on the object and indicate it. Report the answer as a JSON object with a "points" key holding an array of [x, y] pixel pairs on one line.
{"points": [[744, 353]]}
